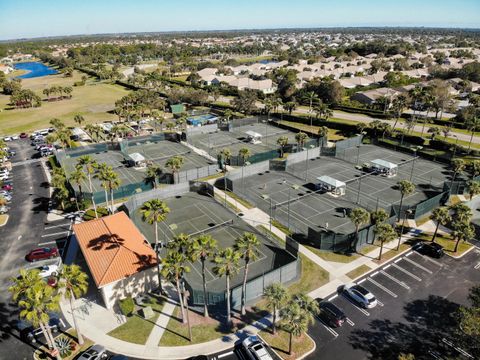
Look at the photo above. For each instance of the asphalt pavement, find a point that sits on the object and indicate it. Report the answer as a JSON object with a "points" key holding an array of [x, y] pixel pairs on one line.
{"points": [[418, 297]]}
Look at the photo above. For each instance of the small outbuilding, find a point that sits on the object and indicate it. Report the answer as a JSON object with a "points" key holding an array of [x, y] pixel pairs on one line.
{"points": [[333, 186], [385, 167], [253, 137], [136, 160]]}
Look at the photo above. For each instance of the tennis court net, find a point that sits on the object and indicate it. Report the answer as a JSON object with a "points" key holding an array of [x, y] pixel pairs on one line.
{"points": [[212, 227], [297, 198], [160, 158]]}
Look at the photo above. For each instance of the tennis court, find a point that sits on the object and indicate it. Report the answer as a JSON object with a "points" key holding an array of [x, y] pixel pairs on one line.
{"points": [[196, 214]]}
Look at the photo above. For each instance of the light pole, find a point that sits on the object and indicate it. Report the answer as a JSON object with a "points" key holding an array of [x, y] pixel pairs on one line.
{"points": [[414, 159], [359, 187], [358, 153], [246, 163], [295, 187], [306, 162]]}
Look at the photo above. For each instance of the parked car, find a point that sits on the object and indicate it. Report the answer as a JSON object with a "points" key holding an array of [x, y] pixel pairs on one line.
{"points": [[331, 314], [42, 254], [7, 138], [23, 135], [256, 349], [3, 209], [360, 295], [95, 352], [40, 145], [32, 335], [48, 270], [6, 196], [15, 137], [123, 357], [7, 187], [430, 249]]}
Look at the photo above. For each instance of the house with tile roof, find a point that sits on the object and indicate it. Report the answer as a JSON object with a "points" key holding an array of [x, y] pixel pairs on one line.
{"points": [[120, 260]]}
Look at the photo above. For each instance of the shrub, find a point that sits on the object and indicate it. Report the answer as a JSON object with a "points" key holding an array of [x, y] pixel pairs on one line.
{"points": [[127, 306], [90, 213]]}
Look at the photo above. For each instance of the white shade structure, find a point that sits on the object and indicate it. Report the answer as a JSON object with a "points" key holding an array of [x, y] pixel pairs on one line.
{"points": [[253, 137], [385, 167], [137, 160], [334, 186]]}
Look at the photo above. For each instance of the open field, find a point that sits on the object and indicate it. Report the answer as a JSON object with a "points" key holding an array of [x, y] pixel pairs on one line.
{"points": [[92, 101]]}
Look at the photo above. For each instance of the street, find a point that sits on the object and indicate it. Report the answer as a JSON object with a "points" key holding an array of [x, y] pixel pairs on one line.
{"points": [[417, 299]]}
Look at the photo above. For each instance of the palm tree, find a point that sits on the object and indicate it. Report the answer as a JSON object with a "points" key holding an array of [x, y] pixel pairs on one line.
{"points": [[276, 296], [473, 188], [301, 138], [110, 182], [474, 168], [247, 245], [228, 114], [47, 92], [295, 321], [36, 299], [462, 231], [398, 105], [323, 132], [79, 119], [244, 154], [227, 265], [378, 216], [458, 165], [87, 163], [75, 282], [203, 248], [311, 97], [151, 175], [173, 268], [226, 155], [78, 177], [461, 213], [153, 212], [282, 141], [384, 233], [175, 163], [359, 216], [441, 216], [406, 188], [290, 106]]}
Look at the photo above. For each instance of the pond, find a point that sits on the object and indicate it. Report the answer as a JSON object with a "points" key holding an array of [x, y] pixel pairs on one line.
{"points": [[35, 69]]}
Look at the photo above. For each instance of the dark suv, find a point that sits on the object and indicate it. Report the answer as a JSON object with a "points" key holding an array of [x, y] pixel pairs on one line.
{"points": [[430, 249], [32, 335], [331, 314]]}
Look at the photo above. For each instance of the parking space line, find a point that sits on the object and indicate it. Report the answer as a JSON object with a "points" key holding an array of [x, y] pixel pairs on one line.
{"points": [[328, 328], [388, 291], [380, 303], [55, 234], [407, 272], [225, 354], [365, 312], [361, 281], [350, 322], [476, 267], [419, 266], [458, 349], [401, 283], [332, 297], [56, 226], [429, 259], [47, 243]]}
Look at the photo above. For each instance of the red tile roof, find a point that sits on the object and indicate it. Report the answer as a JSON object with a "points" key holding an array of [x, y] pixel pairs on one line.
{"points": [[114, 248]]}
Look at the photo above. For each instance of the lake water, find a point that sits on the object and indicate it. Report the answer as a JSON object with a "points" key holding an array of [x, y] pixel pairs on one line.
{"points": [[35, 69]]}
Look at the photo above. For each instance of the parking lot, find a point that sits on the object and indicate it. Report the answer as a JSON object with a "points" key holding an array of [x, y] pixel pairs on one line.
{"points": [[417, 297]]}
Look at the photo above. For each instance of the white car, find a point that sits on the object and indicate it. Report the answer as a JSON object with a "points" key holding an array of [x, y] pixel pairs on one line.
{"points": [[48, 270], [95, 352], [4, 176], [7, 138], [256, 349], [360, 295]]}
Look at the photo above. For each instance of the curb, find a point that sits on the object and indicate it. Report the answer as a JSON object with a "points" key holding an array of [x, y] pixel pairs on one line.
{"points": [[311, 351], [6, 220], [462, 255]]}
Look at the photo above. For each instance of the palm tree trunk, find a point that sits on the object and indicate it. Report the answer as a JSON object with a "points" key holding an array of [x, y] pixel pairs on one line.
{"points": [[46, 335], [471, 139], [381, 251], [244, 289], [290, 344], [228, 300], [274, 320], [106, 200], [400, 208], [75, 324], [180, 299], [205, 298], [111, 197], [435, 233], [54, 346], [456, 245]]}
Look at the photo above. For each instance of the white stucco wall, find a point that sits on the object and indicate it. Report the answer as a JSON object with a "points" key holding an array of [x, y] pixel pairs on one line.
{"points": [[139, 283]]}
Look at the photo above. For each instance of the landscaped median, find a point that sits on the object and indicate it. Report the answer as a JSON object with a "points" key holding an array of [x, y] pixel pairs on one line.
{"points": [[448, 243], [67, 345], [3, 219], [301, 346]]}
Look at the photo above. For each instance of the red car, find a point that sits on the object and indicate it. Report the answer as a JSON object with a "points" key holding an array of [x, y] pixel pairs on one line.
{"points": [[23, 135], [7, 187], [42, 254]]}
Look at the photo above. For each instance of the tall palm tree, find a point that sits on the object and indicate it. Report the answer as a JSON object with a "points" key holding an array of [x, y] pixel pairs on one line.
{"points": [[247, 245], [441, 216], [474, 168], [311, 97], [79, 119], [153, 212], [473, 188], [36, 299], [295, 321], [276, 296], [359, 216], [203, 248], [301, 138], [227, 265], [378, 216], [151, 175], [406, 188], [458, 165], [384, 233], [226, 155], [175, 163], [87, 163], [110, 181], [244, 154], [75, 282], [173, 268], [462, 231], [78, 177], [461, 213], [282, 141], [323, 132]]}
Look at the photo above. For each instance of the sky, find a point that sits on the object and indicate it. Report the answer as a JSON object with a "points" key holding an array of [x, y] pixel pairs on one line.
{"points": [[36, 18]]}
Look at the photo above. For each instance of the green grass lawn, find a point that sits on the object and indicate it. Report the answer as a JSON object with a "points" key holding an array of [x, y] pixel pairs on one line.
{"points": [[331, 256], [313, 276], [362, 269], [333, 135], [240, 200], [447, 242], [92, 101], [388, 254], [203, 330], [280, 341]]}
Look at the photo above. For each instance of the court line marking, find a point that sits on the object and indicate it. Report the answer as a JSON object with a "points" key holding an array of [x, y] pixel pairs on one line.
{"points": [[401, 283], [407, 272], [388, 291]]}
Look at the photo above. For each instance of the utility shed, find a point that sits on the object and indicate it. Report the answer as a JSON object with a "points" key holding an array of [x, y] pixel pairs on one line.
{"points": [[334, 186]]}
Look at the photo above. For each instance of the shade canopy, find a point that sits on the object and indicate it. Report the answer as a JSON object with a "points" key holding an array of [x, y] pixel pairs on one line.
{"points": [[327, 180], [384, 164]]}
